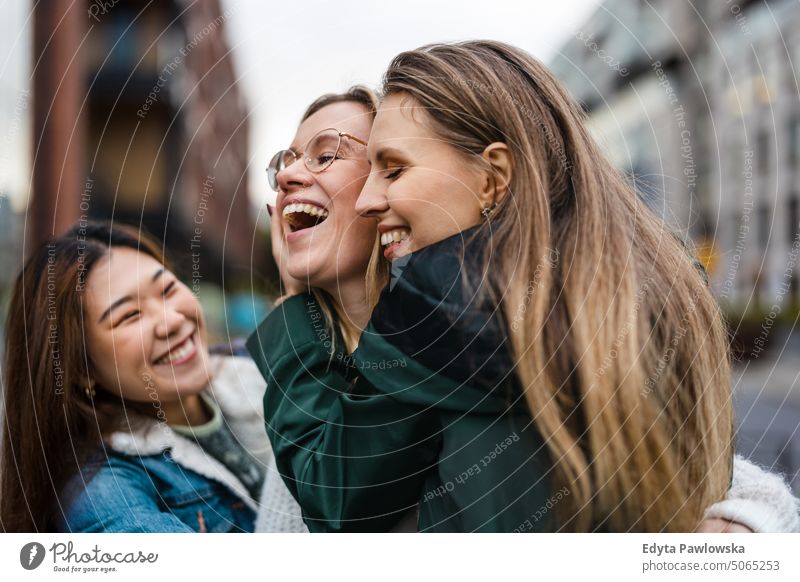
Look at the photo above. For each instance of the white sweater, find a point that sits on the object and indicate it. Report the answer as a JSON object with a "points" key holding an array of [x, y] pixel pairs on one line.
{"points": [[758, 499]]}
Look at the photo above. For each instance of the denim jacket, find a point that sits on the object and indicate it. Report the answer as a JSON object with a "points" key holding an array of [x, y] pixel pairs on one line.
{"points": [[152, 479]]}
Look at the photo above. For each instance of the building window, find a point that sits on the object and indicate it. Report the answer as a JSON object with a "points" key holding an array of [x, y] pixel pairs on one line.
{"points": [[794, 217], [793, 230], [762, 152], [763, 226], [794, 141]]}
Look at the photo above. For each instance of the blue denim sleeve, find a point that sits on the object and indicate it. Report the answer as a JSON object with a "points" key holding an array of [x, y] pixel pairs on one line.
{"points": [[118, 498]]}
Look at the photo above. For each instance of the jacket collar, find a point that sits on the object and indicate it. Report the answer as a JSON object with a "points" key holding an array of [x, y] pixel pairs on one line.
{"points": [[152, 437], [430, 316]]}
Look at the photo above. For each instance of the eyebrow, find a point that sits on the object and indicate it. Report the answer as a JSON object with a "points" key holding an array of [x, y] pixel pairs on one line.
{"points": [[385, 152], [126, 298]]}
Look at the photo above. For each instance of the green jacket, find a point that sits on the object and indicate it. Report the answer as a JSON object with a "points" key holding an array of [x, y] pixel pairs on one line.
{"points": [[426, 411]]}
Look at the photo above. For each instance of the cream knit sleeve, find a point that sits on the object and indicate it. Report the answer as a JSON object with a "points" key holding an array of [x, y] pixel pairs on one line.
{"points": [[758, 499], [278, 511]]}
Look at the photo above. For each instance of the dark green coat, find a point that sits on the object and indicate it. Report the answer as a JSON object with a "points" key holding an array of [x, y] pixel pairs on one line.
{"points": [[426, 411]]}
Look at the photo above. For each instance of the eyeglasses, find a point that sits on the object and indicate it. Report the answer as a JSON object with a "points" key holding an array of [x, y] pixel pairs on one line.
{"points": [[319, 153]]}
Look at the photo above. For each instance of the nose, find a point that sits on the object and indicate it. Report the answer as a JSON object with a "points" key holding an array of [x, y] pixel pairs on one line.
{"points": [[295, 176], [372, 202], [171, 322]]}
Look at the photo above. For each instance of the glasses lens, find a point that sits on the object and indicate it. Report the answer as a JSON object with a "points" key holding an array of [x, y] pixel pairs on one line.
{"points": [[322, 150], [278, 162]]}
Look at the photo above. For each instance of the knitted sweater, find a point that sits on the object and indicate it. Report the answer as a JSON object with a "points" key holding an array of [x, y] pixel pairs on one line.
{"points": [[759, 500]]}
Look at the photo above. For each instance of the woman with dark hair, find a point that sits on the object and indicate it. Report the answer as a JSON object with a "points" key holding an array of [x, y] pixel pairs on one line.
{"points": [[116, 416]]}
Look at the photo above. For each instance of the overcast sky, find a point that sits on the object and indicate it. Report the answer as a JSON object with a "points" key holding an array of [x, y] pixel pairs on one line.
{"points": [[15, 103], [289, 53]]}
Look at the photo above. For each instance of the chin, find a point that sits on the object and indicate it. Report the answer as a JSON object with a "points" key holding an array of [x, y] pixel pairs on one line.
{"points": [[307, 273], [189, 381], [191, 385]]}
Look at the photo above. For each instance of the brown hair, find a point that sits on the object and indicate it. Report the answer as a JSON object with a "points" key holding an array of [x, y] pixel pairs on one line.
{"points": [[355, 94], [51, 424], [377, 270], [618, 343]]}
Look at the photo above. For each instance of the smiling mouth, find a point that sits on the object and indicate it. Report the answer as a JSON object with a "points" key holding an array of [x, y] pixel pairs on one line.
{"points": [[303, 216], [393, 240], [180, 353]]}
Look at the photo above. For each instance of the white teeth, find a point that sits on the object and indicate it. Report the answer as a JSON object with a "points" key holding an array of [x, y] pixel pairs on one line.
{"points": [[393, 236], [174, 355], [305, 208]]}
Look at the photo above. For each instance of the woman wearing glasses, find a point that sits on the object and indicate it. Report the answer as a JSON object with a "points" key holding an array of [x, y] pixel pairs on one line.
{"points": [[322, 243], [442, 405], [324, 246]]}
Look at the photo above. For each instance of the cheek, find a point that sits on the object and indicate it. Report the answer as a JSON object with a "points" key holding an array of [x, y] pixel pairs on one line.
{"points": [[119, 358], [344, 202], [415, 200], [434, 205], [189, 305]]}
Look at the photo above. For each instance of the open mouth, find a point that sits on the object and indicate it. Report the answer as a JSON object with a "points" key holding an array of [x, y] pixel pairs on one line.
{"points": [[180, 353], [393, 241], [303, 216]]}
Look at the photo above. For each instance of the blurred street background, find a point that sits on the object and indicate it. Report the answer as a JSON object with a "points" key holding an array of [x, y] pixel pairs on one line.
{"points": [[163, 114]]}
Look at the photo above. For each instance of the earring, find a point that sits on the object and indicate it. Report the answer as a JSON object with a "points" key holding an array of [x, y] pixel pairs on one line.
{"points": [[487, 210], [89, 391]]}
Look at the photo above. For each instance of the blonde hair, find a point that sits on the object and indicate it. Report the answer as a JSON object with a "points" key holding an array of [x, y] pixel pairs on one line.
{"points": [[619, 346], [336, 320]]}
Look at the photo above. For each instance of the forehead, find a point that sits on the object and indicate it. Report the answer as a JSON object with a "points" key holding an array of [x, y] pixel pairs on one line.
{"points": [[399, 118], [346, 116], [120, 273]]}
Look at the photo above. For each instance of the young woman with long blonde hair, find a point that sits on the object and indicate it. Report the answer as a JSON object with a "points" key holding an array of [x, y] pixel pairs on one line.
{"points": [[546, 356]]}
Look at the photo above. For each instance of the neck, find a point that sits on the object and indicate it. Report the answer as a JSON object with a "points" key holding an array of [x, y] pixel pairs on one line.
{"points": [[352, 298], [186, 411]]}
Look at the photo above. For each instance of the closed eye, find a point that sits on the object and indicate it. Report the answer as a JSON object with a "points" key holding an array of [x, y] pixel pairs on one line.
{"points": [[130, 316], [394, 174], [169, 288]]}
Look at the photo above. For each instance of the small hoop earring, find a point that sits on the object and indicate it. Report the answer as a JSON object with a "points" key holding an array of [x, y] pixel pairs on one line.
{"points": [[89, 391], [487, 210]]}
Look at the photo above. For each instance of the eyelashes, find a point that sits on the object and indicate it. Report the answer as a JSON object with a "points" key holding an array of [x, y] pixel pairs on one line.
{"points": [[128, 317], [394, 174], [131, 315]]}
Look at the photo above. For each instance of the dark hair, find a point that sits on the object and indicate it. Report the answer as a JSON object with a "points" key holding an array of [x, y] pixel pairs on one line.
{"points": [[51, 425], [356, 94]]}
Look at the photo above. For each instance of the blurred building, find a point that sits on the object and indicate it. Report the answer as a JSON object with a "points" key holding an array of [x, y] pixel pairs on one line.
{"points": [[10, 250], [139, 117], [698, 102]]}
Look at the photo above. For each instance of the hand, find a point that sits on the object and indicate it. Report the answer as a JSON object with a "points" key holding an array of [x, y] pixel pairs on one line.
{"points": [[717, 525], [291, 286]]}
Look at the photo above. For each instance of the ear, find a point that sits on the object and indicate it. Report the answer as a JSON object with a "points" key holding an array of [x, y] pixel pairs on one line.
{"points": [[498, 173]]}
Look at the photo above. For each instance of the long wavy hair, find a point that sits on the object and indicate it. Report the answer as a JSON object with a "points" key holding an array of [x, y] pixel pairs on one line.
{"points": [[619, 345], [51, 424], [378, 270]]}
